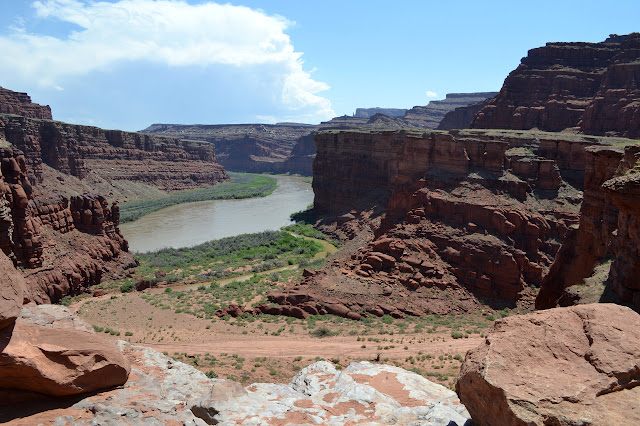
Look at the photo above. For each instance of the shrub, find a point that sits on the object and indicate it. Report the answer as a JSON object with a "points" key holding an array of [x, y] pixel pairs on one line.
{"points": [[127, 287], [323, 331], [457, 335]]}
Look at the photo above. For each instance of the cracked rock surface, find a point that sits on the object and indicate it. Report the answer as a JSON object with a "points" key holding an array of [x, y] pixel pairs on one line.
{"points": [[362, 393], [565, 366]]}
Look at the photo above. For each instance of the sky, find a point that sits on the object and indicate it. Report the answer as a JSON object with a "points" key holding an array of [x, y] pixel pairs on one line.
{"points": [[126, 64]]}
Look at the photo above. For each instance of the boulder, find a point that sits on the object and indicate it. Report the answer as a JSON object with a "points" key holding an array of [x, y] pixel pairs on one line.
{"points": [[12, 291], [563, 366], [58, 362]]}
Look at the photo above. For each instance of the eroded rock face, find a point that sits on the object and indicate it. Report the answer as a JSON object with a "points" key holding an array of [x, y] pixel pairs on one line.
{"points": [[608, 229], [577, 365], [592, 87], [320, 394], [20, 104], [167, 163], [464, 218], [12, 292]]}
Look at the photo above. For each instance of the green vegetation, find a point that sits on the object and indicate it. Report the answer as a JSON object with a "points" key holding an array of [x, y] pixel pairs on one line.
{"points": [[242, 185], [232, 256], [306, 216]]}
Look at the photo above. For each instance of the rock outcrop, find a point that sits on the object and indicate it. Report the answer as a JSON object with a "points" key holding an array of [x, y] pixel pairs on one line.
{"points": [[590, 87], [607, 233], [577, 365], [320, 394], [441, 221], [430, 116], [18, 103], [65, 244], [58, 362], [12, 292]]}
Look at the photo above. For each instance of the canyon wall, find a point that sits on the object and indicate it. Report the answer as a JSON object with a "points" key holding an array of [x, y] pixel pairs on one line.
{"points": [[167, 163], [255, 148], [64, 240], [461, 117], [62, 244], [18, 103], [607, 236], [588, 87], [442, 221], [287, 147]]}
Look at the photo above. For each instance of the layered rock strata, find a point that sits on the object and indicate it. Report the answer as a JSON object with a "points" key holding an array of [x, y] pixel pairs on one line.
{"points": [[577, 365], [167, 163], [464, 218], [590, 87], [64, 244], [18, 103], [607, 231], [288, 147]]}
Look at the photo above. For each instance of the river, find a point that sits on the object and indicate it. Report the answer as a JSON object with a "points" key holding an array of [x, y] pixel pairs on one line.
{"points": [[189, 224]]}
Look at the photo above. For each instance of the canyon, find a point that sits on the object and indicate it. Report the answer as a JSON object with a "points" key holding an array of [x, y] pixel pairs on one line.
{"points": [[533, 207]]}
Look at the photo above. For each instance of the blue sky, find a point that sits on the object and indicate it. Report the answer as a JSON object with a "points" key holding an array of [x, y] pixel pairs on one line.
{"points": [[130, 63]]}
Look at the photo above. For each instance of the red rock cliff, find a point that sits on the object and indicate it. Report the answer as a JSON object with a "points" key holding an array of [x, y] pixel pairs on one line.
{"points": [[592, 87], [167, 163], [63, 245], [608, 230], [20, 104], [440, 221]]}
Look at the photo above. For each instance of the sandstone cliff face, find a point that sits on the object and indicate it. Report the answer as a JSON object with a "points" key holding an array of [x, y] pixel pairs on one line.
{"points": [[64, 245], [607, 230], [115, 155], [243, 147], [287, 147], [592, 87], [441, 221], [20, 104]]}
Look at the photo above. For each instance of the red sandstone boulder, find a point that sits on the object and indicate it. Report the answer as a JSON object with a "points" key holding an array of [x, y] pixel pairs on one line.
{"points": [[12, 291], [577, 365], [58, 362]]}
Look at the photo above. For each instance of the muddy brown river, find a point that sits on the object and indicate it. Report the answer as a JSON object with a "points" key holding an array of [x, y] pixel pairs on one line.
{"points": [[189, 224]]}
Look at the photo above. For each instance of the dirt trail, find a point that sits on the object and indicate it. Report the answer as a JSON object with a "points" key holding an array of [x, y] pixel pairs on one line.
{"points": [[283, 347]]}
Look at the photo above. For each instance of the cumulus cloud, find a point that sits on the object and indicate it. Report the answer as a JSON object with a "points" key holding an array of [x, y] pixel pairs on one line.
{"points": [[167, 33], [431, 94]]}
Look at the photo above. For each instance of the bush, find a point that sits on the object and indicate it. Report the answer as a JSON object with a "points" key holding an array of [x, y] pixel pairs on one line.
{"points": [[127, 287], [323, 331], [457, 335]]}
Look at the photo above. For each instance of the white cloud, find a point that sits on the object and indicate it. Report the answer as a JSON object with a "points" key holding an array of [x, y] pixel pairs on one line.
{"points": [[431, 94], [168, 33]]}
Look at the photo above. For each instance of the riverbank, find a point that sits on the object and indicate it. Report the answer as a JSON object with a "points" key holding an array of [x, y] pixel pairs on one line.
{"points": [[242, 185], [190, 224]]}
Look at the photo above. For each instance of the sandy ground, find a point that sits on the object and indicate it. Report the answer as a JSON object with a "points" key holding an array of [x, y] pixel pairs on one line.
{"points": [[280, 345]]}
